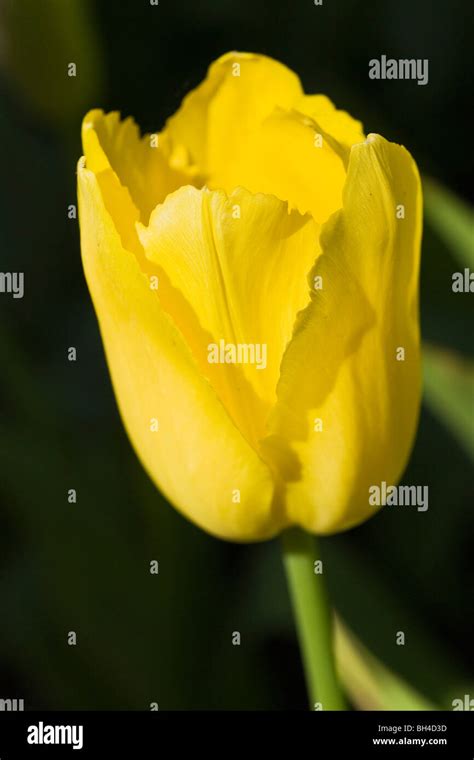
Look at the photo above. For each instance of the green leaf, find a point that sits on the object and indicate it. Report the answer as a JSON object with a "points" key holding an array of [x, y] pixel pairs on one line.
{"points": [[368, 682], [449, 391], [452, 219]]}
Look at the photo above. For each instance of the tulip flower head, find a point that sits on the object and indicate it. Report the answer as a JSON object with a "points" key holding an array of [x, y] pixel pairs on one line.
{"points": [[254, 269]]}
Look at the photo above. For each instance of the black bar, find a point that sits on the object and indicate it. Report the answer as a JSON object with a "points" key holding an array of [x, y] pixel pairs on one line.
{"points": [[106, 735]]}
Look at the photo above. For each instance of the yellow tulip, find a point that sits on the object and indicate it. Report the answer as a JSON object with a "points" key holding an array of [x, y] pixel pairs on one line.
{"points": [[261, 222]]}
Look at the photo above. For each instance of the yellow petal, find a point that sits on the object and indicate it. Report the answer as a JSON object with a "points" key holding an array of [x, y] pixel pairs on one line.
{"points": [[147, 168], [341, 367], [197, 457], [292, 157], [234, 270], [98, 132], [249, 124], [339, 124], [218, 117]]}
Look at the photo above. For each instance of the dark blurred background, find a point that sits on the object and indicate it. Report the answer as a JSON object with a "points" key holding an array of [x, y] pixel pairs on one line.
{"points": [[84, 567]]}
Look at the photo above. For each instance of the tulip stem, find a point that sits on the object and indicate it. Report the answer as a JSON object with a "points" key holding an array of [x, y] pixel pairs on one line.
{"points": [[313, 618]]}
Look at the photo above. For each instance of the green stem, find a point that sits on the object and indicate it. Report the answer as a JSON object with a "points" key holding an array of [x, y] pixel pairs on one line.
{"points": [[313, 618]]}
